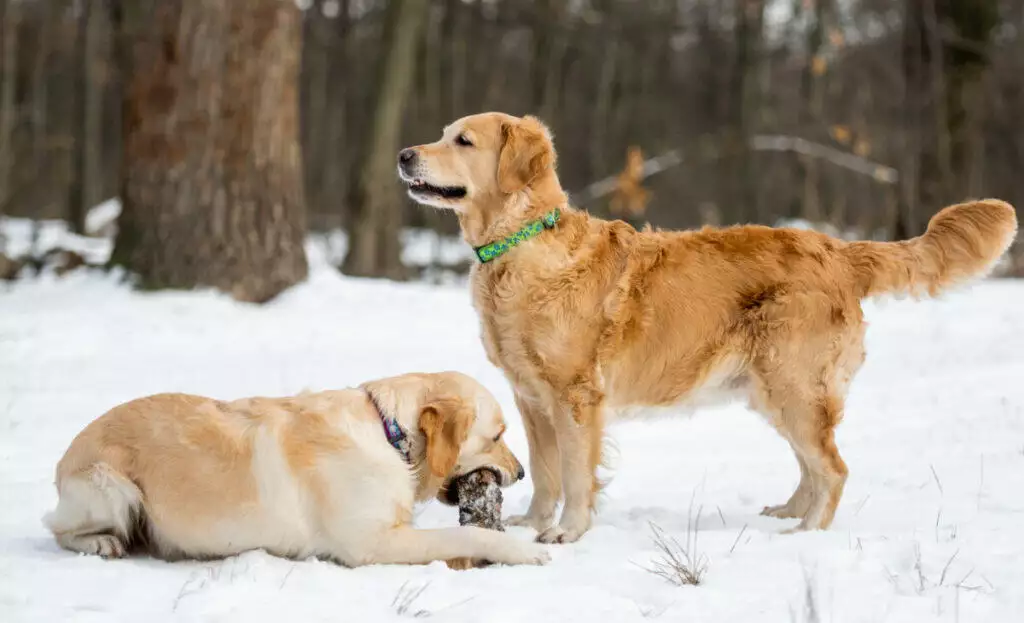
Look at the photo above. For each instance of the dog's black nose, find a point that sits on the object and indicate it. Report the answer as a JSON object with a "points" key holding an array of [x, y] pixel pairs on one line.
{"points": [[407, 156], [521, 473]]}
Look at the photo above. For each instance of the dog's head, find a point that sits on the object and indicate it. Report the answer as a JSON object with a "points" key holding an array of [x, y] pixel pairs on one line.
{"points": [[460, 428], [480, 162]]}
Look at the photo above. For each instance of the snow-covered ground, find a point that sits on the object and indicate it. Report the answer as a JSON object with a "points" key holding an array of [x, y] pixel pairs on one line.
{"points": [[423, 248], [931, 527]]}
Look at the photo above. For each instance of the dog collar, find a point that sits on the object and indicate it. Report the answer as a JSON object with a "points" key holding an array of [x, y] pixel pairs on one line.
{"points": [[532, 229], [393, 431]]}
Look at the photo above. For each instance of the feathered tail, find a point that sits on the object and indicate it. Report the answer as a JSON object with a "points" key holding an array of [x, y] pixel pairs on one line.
{"points": [[962, 242]]}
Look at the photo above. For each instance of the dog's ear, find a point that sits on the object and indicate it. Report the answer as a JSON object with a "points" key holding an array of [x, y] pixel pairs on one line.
{"points": [[445, 423], [526, 152]]}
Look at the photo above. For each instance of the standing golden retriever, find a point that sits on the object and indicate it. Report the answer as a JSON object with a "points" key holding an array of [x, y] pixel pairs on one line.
{"points": [[331, 474], [586, 315]]}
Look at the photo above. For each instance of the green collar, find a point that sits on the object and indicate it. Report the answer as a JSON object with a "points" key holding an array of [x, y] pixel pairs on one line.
{"points": [[495, 250]]}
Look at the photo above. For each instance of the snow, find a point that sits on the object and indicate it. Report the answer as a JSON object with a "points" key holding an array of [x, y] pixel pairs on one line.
{"points": [[420, 247], [49, 235], [102, 215], [934, 437], [423, 248]]}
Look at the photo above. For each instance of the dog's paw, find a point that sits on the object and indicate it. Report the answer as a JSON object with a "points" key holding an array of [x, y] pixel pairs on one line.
{"points": [[796, 508], [558, 534], [523, 553], [572, 526], [107, 546], [537, 555], [462, 564], [530, 521], [797, 529], [782, 511]]}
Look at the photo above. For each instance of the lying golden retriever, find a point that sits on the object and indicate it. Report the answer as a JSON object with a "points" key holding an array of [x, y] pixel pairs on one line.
{"points": [[332, 474], [586, 316]]}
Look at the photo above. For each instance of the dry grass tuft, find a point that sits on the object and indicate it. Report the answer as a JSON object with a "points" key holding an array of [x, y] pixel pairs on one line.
{"points": [[405, 599], [682, 565]]}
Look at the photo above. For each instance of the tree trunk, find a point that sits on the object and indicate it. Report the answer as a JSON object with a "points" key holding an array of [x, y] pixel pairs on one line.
{"points": [[97, 39], [77, 200], [8, 103], [813, 92], [316, 60], [946, 47], [968, 26], [749, 32], [211, 176], [374, 249], [550, 47], [337, 126], [601, 116], [914, 83]]}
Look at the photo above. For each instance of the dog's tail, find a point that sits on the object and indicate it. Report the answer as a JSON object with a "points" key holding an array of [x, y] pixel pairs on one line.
{"points": [[95, 501], [962, 242]]}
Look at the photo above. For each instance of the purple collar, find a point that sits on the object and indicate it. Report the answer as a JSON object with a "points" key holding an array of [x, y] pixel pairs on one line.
{"points": [[392, 430]]}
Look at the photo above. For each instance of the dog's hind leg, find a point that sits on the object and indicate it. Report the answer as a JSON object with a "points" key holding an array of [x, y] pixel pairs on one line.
{"points": [[807, 420], [804, 401], [808, 346], [800, 502], [96, 512]]}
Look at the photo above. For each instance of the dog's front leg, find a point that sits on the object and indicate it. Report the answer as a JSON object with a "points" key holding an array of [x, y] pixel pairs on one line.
{"points": [[579, 427], [408, 545], [545, 466]]}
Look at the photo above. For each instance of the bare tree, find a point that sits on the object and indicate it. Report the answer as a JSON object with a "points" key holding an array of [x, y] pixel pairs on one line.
{"points": [[946, 48], [8, 103], [211, 179], [78, 198], [376, 209], [749, 34], [815, 69]]}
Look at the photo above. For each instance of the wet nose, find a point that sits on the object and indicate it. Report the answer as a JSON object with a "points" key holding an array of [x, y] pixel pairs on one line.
{"points": [[521, 473], [407, 156]]}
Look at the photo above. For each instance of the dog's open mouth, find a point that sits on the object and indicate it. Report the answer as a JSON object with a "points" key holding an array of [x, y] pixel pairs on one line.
{"points": [[419, 187]]}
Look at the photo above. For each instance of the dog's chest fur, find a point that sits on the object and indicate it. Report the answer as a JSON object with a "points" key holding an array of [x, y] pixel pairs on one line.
{"points": [[531, 330], [557, 332]]}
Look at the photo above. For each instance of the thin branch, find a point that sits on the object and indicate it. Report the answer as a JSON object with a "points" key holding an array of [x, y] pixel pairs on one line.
{"points": [[861, 505], [945, 569], [286, 576], [936, 476], [404, 600], [857, 164], [742, 530], [762, 142]]}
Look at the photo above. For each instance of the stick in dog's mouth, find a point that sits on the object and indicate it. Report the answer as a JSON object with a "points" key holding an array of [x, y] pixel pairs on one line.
{"points": [[451, 488]]}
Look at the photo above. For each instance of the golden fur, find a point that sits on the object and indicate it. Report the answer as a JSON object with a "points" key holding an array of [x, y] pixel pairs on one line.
{"points": [[594, 316], [311, 475]]}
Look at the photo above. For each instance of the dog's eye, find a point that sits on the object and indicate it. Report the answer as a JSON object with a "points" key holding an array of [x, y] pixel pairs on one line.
{"points": [[497, 438], [463, 141]]}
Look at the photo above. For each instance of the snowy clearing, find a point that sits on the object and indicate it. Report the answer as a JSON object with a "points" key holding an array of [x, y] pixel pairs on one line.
{"points": [[929, 529]]}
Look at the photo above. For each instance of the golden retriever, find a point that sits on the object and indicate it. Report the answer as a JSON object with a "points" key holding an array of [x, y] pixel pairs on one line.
{"points": [[311, 475], [592, 316]]}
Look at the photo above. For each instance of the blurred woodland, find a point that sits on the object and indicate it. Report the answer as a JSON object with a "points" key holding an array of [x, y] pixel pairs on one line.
{"points": [[229, 132]]}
